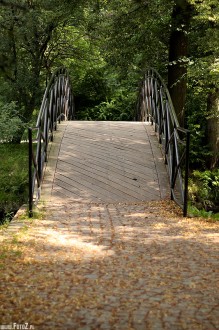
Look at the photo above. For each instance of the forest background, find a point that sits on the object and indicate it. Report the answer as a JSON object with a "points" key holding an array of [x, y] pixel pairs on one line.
{"points": [[107, 45]]}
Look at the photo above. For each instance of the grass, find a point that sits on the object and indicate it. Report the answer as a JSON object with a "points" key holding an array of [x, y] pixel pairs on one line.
{"points": [[13, 178]]}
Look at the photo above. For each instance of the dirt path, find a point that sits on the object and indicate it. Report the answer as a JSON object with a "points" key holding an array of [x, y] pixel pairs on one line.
{"points": [[111, 266]]}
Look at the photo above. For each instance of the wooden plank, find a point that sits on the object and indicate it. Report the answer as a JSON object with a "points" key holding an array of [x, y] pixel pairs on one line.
{"points": [[94, 187], [117, 181], [125, 155], [116, 186], [107, 162]]}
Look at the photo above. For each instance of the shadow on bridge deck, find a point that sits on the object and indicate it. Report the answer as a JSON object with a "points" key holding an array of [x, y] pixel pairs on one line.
{"points": [[105, 162]]}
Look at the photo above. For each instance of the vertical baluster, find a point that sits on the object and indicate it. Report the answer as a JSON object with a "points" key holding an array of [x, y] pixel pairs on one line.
{"points": [[30, 138], [173, 165], [186, 175]]}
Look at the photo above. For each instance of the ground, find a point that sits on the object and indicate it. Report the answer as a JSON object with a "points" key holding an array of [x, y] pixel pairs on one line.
{"points": [[111, 266]]}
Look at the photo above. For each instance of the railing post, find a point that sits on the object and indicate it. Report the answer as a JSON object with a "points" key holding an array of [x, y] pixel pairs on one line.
{"points": [[185, 206], [39, 163], [30, 138], [173, 165], [166, 130], [46, 136]]}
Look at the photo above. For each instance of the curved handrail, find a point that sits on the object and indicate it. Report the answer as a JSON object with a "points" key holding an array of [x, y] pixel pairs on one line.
{"points": [[155, 105], [57, 105]]}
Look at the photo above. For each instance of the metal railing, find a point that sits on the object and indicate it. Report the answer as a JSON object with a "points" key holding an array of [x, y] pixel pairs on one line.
{"points": [[57, 105], [155, 106]]}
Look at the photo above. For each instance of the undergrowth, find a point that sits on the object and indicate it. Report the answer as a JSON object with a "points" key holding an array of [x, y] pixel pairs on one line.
{"points": [[13, 178], [195, 212], [204, 193]]}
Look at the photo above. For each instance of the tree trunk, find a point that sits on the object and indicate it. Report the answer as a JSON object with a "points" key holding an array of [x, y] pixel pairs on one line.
{"points": [[178, 52], [213, 128]]}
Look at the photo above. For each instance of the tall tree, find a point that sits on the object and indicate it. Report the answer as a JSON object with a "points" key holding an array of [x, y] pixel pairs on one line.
{"points": [[178, 55], [25, 38], [204, 78]]}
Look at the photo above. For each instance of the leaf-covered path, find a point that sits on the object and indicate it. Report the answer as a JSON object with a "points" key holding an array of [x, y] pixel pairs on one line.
{"points": [[111, 266]]}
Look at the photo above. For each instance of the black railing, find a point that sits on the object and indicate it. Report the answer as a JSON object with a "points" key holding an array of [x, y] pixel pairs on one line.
{"points": [[57, 105], [155, 106]]}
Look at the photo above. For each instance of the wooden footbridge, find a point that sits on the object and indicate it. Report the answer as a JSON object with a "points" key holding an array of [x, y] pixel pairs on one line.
{"points": [[108, 162], [106, 253]]}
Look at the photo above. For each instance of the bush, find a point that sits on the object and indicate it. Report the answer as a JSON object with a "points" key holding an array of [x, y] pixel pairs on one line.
{"points": [[204, 190], [13, 177], [196, 123], [10, 123], [120, 107]]}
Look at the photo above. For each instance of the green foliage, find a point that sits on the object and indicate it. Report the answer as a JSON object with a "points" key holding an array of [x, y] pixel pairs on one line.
{"points": [[203, 81], [10, 122], [195, 212], [204, 190], [120, 107], [104, 96], [13, 177], [196, 123], [136, 34], [30, 42]]}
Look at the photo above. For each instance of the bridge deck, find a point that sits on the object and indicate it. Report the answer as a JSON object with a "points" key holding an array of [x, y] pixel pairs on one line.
{"points": [[106, 162]]}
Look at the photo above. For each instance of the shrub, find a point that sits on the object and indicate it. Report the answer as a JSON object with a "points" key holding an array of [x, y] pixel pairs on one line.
{"points": [[10, 123], [13, 177], [120, 107], [196, 123], [204, 190]]}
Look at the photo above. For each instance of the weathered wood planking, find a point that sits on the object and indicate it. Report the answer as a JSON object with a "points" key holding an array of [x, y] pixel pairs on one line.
{"points": [[109, 162]]}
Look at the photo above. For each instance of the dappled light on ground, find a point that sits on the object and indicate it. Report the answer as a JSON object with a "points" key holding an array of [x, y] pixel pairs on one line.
{"points": [[112, 266]]}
